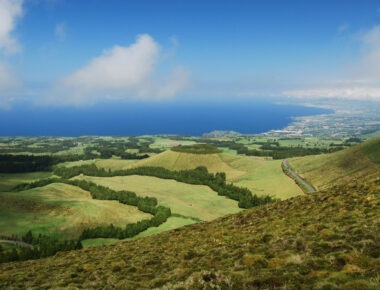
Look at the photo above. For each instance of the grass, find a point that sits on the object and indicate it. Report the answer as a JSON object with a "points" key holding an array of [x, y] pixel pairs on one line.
{"points": [[197, 201], [10, 180], [61, 210], [340, 167], [181, 161], [321, 241], [112, 163], [262, 176], [98, 242], [172, 223]]}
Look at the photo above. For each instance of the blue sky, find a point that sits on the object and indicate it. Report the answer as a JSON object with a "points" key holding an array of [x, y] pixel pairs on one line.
{"points": [[81, 52]]}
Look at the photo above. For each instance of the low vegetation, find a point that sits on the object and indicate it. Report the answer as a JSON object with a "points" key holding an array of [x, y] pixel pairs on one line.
{"points": [[197, 149], [328, 240]]}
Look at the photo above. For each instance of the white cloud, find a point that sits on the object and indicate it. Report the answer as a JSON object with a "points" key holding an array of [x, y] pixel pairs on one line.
{"points": [[361, 81], [120, 73], [61, 31], [349, 93], [10, 11]]}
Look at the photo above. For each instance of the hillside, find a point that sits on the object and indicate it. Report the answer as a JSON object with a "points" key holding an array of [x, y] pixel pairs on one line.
{"points": [[340, 167], [61, 210], [328, 240]]}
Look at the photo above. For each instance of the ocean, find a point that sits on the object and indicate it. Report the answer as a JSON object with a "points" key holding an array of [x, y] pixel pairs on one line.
{"points": [[144, 118]]}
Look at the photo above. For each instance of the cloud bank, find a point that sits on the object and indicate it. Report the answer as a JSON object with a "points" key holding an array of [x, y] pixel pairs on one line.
{"points": [[122, 72], [362, 80], [10, 12]]}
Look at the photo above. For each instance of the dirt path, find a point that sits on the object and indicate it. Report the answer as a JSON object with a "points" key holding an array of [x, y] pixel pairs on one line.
{"points": [[302, 182], [17, 243]]}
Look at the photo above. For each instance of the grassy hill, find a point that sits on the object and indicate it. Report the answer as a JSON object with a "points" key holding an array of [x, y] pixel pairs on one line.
{"points": [[260, 175], [341, 167], [329, 240], [61, 210]]}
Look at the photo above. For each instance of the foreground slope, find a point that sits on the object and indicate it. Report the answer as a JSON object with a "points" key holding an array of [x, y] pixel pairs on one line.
{"points": [[344, 166], [328, 240]]}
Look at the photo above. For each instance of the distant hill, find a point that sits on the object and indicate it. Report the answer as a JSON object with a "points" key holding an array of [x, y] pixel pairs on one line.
{"points": [[358, 162], [174, 160], [328, 240]]}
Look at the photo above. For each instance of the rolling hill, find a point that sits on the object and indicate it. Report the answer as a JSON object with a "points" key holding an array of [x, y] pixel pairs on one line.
{"points": [[260, 175], [348, 165], [328, 240]]}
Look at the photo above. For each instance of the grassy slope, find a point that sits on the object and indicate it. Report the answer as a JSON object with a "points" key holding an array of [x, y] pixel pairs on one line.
{"points": [[189, 200], [260, 175], [10, 180], [329, 240], [60, 209], [340, 167]]}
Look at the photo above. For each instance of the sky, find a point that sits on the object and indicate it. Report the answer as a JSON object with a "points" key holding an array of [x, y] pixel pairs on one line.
{"points": [[80, 53]]}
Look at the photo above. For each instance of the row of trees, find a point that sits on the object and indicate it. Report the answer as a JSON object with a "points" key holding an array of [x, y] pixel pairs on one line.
{"points": [[199, 176], [271, 149], [43, 246]]}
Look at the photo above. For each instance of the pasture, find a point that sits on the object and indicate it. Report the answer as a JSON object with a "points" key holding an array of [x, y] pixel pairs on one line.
{"points": [[196, 201], [61, 210]]}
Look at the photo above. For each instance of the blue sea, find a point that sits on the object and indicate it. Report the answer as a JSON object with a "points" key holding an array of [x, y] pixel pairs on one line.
{"points": [[141, 118]]}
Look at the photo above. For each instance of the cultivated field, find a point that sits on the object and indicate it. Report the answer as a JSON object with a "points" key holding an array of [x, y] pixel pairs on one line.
{"points": [[62, 210], [196, 201]]}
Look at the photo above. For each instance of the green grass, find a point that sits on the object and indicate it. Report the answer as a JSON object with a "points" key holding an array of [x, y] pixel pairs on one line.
{"points": [[172, 223], [61, 210], [261, 175], [10, 180], [197, 201]]}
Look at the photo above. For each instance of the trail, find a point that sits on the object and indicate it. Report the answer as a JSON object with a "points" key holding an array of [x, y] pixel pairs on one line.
{"points": [[298, 178], [17, 243]]}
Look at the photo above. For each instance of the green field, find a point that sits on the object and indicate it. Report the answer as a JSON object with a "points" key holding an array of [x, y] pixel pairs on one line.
{"points": [[181, 161], [61, 210], [112, 163], [196, 201], [261, 175]]}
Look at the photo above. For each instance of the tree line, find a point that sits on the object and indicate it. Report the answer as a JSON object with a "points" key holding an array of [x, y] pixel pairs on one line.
{"points": [[43, 246]]}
